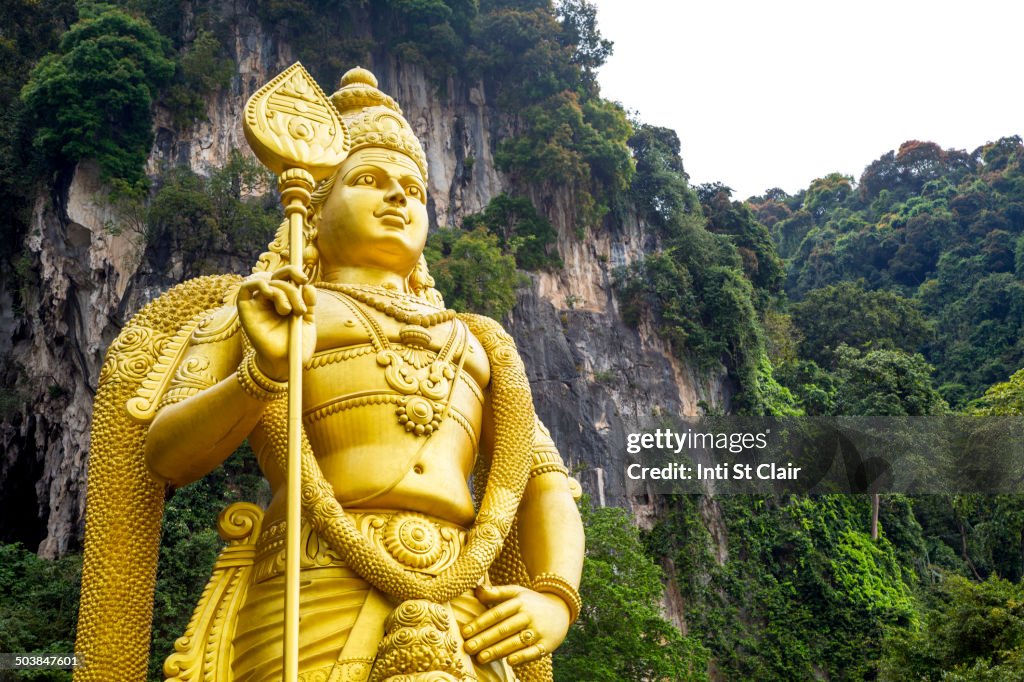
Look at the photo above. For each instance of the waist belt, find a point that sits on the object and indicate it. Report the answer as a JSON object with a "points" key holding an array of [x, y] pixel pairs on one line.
{"points": [[419, 542]]}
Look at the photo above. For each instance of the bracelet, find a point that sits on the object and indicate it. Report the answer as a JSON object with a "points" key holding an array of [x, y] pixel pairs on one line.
{"points": [[256, 383], [552, 583], [548, 468]]}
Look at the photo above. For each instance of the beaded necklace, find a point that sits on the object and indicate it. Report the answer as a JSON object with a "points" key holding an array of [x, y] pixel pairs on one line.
{"points": [[396, 305]]}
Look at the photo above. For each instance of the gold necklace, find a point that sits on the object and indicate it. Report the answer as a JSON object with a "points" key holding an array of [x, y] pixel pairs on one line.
{"points": [[426, 388], [392, 306]]}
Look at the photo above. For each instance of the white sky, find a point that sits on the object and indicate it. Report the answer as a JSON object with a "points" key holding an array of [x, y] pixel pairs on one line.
{"points": [[777, 93]]}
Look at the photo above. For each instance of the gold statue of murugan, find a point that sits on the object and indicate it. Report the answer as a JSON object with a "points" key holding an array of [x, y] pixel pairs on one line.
{"points": [[440, 538]]}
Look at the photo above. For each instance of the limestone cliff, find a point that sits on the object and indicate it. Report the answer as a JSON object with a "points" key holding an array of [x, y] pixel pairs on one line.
{"points": [[595, 378]]}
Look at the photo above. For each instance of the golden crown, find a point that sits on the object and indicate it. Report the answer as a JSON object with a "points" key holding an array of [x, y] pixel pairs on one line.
{"points": [[374, 119]]}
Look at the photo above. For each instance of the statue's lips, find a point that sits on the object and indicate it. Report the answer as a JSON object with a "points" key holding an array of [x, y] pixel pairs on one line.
{"points": [[393, 218]]}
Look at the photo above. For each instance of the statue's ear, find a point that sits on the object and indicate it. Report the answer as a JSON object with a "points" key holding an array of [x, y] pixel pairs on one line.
{"points": [[421, 284]]}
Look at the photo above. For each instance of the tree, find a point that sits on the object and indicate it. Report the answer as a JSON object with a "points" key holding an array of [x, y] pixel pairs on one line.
{"points": [[93, 98], [580, 32], [888, 383], [848, 314], [915, 163], [827, 193], [38, 603], [659, 189], [1004, 399], [621, 635], [761, 264], [472, 272], [973, 632], [204, 221], [520, 229]]}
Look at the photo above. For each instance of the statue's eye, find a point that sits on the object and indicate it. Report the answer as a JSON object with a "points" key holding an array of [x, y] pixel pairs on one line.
{"points": [[366, 180], [414, 191]]}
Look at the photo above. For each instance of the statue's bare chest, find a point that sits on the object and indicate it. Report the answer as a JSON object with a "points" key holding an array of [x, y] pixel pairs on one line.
{"points": [[422, 336]]}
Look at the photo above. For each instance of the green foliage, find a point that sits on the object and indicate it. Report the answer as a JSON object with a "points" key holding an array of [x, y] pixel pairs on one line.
{"points": [[204, 220], [813, 388], [92, 99], [885, 383], [659, 189], [801, 593], [971, 631], [1003, 399], [827, 193], [940, 227], [30, 29], [702, 286], [621, 634], [472, 272], [576, 143], [848, 314], [705, 311], [542, 67], [697, 287], [520, 229], [761, 264], [916, 163], [38, 606], [201, 71], [519, 50]]}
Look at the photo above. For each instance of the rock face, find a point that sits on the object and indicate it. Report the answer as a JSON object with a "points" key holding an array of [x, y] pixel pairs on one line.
{"points": [[595, 379]]}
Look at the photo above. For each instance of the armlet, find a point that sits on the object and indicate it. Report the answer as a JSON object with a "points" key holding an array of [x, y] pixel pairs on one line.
{"points": [[544, 457], [183, 368]]}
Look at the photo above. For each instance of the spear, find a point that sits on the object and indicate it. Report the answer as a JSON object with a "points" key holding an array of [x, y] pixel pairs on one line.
{"points": [[295, 131]]}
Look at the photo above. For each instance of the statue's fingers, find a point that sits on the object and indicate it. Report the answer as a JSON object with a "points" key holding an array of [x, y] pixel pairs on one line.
{"points": [[487, 619], [502, 648], [530, 653], [493, 594], [257, 289], [291, 273], [292, 294], [309, 294], [501, 631], [271, 296], [250, 287]]}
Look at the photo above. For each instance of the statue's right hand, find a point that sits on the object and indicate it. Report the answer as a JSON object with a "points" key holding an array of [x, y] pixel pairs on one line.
{"points": [[266, 303]]}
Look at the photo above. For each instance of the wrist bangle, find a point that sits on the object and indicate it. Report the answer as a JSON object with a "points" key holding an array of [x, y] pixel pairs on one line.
{"points": [[547, 468], [256, 383], [552, 583]]}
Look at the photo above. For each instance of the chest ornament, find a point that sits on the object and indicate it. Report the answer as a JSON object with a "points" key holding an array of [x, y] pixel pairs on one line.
{"points": [[424, 380]]}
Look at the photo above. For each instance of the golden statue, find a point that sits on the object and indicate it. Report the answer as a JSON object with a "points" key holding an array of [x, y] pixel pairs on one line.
{"points": [[439, 539]]}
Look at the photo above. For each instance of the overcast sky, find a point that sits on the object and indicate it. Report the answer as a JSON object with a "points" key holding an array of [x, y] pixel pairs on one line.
{"points": [[775, 94]]}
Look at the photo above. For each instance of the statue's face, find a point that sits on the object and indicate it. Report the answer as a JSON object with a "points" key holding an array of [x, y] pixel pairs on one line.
{"points": [[376, 213]]}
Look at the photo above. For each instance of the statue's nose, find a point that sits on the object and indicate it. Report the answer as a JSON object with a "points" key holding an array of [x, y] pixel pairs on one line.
{"points": [[394, 194]]}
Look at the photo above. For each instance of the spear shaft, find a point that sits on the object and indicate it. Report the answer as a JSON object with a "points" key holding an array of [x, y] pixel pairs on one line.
{"points": [[295, 131], [296, 186]]}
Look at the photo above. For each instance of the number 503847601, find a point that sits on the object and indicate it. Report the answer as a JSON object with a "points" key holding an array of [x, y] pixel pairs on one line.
{"points": [[10, 661]]}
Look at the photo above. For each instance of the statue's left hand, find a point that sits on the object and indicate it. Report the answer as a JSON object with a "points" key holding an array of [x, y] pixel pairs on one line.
{"points": [[519, 623]]}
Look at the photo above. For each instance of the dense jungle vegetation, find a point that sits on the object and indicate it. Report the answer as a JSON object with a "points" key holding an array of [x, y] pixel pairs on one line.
{"points": [[900, 292]]}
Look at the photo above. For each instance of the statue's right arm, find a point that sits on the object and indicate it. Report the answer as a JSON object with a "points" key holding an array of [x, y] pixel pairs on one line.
{"points": [[191, 437], [192, 434]]}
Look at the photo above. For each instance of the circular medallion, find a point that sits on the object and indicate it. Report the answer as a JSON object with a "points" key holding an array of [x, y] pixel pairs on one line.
{"points": [[413, 540], [418, 415]]}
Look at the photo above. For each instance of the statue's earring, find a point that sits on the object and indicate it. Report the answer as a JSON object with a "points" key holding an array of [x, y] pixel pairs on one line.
{"points": [[311, 255]]}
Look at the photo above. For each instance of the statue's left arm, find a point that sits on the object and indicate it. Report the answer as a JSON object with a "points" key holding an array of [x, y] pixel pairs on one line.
{"points": [[525, 624]]}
